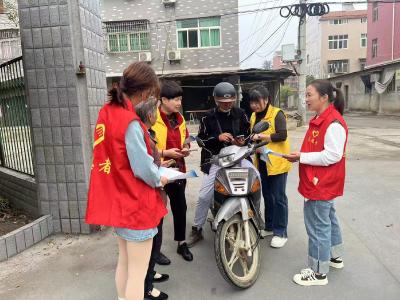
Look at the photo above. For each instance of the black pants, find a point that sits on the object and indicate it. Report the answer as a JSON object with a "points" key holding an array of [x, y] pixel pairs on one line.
{"points": [[176, 193], [155, 251]]}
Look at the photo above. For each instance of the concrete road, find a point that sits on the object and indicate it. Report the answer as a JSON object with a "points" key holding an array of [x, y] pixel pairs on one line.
{"points": [[82, 267]]}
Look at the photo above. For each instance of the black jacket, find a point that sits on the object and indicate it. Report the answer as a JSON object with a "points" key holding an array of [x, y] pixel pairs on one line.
{"points": [[213, 124]]}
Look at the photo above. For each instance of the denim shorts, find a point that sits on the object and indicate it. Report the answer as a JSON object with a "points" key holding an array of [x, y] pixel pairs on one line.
{"points": [[132, 235]]}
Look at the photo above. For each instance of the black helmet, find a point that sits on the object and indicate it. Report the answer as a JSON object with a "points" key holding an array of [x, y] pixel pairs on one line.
{"points": [[225, 90]]}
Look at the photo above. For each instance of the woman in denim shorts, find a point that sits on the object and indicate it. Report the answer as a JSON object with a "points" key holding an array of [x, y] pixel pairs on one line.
{"points": [[125, 182]]}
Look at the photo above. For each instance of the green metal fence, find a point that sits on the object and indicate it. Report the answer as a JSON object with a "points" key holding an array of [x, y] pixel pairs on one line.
{"points": [[15, 130]]}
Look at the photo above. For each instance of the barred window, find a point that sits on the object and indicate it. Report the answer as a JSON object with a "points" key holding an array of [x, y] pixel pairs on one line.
{"points": [[374, 48], [128, 36], [338, 66]]}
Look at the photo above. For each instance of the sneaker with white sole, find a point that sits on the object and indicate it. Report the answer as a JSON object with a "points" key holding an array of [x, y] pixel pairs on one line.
{"points": [[278, 241], [336, 263], [265, 233], [308, 277]]}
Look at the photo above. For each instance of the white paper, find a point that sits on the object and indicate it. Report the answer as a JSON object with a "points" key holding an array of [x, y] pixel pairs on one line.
{"points": [[265, 152], [172, 174]]}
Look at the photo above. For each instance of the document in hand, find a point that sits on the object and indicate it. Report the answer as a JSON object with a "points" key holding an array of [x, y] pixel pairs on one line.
{"points": [[265, 152], [175, 175]]}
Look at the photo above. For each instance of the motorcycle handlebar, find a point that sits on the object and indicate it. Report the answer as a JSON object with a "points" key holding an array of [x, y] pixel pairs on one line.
{"points": [[258, 145]]}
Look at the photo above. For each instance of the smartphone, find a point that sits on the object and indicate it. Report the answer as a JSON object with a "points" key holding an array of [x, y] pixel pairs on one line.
{"points": [[240, 136]]}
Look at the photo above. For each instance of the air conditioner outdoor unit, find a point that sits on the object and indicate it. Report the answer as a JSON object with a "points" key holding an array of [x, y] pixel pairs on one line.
{"points": [[168, 2], [174, 55], [145, 56]]}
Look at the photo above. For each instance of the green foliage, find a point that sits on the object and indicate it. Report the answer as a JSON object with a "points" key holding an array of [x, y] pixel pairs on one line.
{"points": [[285, 92]]}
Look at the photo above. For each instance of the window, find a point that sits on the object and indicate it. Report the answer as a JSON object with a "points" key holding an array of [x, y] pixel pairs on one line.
{"points": [[374, 48], [363, 40], [363, 62], [338, 21], [338, 41], [9, 33], [375, 12], [128, 36], [338, 66], [392, 85], [363, 20], [199, 33]]}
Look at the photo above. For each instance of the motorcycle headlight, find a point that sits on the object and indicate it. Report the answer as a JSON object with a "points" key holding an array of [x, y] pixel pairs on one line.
{"points": [[225, 160]]}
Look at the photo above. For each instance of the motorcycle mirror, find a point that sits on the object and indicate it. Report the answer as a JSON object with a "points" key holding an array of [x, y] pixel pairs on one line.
{"points": [[200, 142], [260, 127]]}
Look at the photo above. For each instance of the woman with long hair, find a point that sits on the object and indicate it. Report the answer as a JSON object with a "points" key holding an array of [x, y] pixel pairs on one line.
{"points": [[124, 183], [322, 175]]}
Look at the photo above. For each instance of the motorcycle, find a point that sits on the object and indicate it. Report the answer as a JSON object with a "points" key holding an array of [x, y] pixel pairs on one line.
{"points": [[237, 219]]}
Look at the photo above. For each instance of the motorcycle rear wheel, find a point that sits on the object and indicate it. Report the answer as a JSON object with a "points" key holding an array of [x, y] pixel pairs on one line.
{"points": [[233, 263]]}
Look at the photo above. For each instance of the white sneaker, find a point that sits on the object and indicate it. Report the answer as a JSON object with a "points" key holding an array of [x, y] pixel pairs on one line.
{"points": [[265, 233], [278, 241], [307, 277], [336, 263]]}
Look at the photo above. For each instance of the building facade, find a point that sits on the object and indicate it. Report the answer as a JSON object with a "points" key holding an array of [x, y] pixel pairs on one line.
{"points": [[10, 40], [383, 33], [343, 42], [313, 46], [377, 87], [174, 36]]}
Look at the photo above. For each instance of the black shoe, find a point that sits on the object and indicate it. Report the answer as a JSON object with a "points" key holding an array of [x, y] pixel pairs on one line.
{"points": [[195, 236], [164, 277], [185, 252], [163, 260], [162, 296]]}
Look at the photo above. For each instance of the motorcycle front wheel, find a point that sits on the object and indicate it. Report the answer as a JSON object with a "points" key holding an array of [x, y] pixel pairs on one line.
{"points": [[235, 266]]}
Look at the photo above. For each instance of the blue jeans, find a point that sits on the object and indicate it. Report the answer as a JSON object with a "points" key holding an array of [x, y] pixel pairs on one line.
{"points": [[275, 201], [324, 234]]}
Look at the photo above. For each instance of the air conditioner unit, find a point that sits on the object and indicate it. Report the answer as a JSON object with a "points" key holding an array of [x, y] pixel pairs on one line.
{"points": [[174, 55], [145, 56], [168, 2]]}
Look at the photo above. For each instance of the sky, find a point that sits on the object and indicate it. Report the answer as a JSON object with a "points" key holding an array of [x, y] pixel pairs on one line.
{"points": [[256, 27]]}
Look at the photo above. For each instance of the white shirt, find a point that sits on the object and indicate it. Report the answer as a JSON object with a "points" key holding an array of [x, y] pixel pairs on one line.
{"points": [[335, 139]]}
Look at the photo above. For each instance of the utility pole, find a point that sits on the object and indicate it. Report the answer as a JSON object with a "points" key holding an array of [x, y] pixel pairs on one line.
{"points": [[301, 105]]}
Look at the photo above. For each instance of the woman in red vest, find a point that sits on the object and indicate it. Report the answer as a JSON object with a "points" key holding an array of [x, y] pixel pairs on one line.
{"points": [[322, 174], [124, 181]]}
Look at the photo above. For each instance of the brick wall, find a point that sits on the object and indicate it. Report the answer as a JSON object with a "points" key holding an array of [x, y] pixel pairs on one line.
{"points": [[20, 190], [56, 36], [163, 34]]}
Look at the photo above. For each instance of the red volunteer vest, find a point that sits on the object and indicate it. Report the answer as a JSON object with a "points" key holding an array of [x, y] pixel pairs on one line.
{"points": [[116, 197], [329, 180]]}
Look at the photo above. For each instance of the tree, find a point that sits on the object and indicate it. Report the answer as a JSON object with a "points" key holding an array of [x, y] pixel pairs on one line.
{"points": [[267, 65], [285, 92], [11, 9]]}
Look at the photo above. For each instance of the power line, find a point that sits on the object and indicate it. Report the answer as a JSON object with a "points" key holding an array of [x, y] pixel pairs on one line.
{"points": [[279, 43], [252, 11], [269, 18], [267, 21], [266, 40], [253, 23]]}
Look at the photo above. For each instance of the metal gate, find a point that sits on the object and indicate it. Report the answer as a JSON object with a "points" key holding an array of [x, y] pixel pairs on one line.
{"points": [[15, 130]]}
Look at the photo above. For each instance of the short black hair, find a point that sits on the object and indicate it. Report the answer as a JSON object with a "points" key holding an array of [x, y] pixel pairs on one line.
{"points": [[257, 93], [170, 89]]}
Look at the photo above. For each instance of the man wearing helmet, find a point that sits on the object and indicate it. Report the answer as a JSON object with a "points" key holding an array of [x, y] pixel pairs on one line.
{"points": [[222, 126]]}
